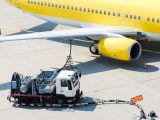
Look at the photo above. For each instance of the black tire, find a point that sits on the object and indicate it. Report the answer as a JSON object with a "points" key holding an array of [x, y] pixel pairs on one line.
{"points": [[23, 100], [60, 101], [93, 49], [78, 95]]}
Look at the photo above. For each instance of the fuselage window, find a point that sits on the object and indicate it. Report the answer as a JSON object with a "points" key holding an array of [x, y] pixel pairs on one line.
{"points": [[52, 4], [84, 9], [56, 5], [80, 9], [76, 8], [158, 20], [100, 12], [38, 3], [28, 1], [49, 4], [131, 16], [114, 13], [41, 3], [119, 14], [105, 12], [67, 7], [109, 13], [45, 4], [148, 19], [72, 8], [152, 19], [64, 6], [139, 17], [127, 15], [135, 17], [96, 11], [35, 2], [89, 10], [92, 10], [60, 5]]}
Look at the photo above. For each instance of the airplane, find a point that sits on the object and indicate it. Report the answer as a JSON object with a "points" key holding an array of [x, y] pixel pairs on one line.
{"points": [[114, 26]]}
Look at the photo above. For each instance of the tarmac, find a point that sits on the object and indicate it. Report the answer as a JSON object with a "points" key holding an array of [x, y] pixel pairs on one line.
{"points": [[102, 78]]}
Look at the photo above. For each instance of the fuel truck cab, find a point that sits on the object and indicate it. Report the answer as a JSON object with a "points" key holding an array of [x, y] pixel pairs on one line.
{"points": [[67, 83]]}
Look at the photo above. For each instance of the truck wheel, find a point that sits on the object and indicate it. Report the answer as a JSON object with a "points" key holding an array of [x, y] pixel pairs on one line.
{"points": [[23, 101], [78, 95], [61, 101]]}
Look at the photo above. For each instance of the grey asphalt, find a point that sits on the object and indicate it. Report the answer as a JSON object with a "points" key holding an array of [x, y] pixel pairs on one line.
{"points": [[102, 77]]}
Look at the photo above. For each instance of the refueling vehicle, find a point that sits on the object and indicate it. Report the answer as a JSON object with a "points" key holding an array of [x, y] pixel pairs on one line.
{"points": [[52, 87]]}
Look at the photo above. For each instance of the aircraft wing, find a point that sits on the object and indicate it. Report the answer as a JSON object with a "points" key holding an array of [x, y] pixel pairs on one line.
{"points": [[91, 31]]}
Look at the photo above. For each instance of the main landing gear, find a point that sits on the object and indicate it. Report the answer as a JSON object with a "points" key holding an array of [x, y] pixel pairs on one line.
{"points": [[94, 49]]}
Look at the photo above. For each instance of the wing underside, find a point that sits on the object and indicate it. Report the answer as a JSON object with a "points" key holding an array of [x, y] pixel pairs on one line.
{"points": [[108, 32]]}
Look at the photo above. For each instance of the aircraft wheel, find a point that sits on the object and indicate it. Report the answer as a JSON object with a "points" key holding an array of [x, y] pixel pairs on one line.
{"points": [[94, 49]]}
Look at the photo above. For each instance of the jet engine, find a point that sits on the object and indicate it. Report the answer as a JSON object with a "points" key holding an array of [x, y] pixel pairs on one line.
{"points": [[120, 48]]}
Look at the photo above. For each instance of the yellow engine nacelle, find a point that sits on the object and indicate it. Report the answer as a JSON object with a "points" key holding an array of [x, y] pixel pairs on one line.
{"points": [[120, 48]]}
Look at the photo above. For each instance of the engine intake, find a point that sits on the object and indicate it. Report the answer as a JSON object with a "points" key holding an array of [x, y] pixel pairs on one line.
{"points": [[120, 48]]}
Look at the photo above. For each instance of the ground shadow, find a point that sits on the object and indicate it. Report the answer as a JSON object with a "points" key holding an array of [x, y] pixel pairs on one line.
{"points": [[47, 26], [5, 86], [101, 64], [150, 45]]}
